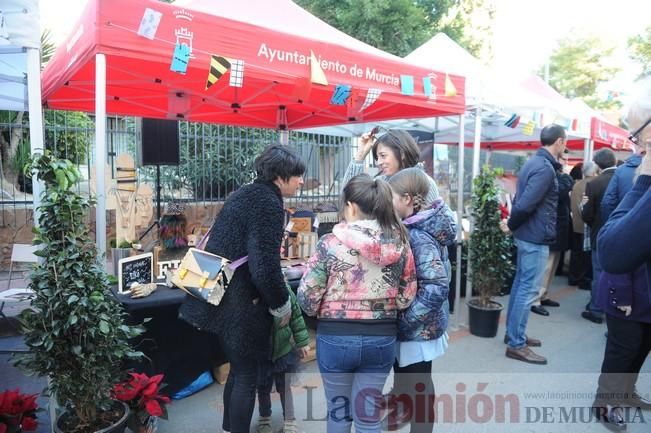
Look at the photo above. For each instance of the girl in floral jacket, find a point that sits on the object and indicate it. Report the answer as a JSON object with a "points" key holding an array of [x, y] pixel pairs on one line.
{"points": [[360, 276], [422, 326]]}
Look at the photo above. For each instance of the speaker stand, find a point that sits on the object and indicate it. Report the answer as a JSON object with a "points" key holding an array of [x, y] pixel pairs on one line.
{"points": [[156, 223]]}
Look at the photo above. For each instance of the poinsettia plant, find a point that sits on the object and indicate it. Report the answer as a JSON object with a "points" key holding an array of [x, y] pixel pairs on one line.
{"points": [[17, 412], [142, 394]]}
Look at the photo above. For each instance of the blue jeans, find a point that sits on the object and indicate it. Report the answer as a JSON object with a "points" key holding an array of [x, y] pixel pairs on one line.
{"points": [[354, 369], [594, 290], [530, 268]]}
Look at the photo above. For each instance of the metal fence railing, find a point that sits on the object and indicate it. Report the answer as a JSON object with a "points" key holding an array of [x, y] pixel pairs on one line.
{"points": [[214, 159]]}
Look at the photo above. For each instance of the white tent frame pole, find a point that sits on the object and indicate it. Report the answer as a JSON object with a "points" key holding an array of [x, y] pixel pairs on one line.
{"points": [[476, 153], [100, 153], [587, 150], [35, 120], [476, 148], [460, 174], [284, 137]]}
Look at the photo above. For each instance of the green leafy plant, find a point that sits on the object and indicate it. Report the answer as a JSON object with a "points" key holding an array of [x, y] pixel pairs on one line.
{"points": [[490, 248], [74, 327], [124, 244], [67, 134], [20, 159], [232, 149]]}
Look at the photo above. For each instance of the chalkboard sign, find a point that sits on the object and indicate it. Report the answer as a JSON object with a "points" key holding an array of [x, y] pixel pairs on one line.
{"points": [[136, 269]]}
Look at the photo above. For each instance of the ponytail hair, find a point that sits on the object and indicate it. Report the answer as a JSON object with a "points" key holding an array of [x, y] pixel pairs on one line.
{"points": [[413, 182], [375, 200]]}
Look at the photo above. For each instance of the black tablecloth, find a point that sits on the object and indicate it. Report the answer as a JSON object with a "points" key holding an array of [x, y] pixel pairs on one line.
{"points": [[171, 346], [162, 297]]}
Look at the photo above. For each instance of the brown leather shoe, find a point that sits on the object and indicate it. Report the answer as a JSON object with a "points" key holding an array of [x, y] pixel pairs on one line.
{"points": [[526, 355], [531, 342]]}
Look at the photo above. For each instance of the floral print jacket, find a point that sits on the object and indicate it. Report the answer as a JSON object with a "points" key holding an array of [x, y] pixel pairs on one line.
{"points": [[430, 232], [358, 274]]}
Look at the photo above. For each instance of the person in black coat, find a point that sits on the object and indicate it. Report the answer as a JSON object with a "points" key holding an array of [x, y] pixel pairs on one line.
{"points": [[562, 243], [591, 213], [251, 224]]}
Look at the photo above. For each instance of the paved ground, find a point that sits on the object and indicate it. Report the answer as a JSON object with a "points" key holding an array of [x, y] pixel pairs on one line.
{"points": [[474, 382]]}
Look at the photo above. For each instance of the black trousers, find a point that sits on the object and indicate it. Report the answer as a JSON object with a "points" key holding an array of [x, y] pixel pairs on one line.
{"points": [[414, 390], [239, 393], [627, 347], [580, 264], [282, 382]]}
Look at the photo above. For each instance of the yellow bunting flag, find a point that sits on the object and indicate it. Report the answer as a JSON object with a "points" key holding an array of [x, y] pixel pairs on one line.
{"points": [[218, 67], [529, 127], [316, 73], [450, 90]]}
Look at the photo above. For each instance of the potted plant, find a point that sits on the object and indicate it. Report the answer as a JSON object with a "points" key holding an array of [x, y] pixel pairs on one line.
{"points": [[142, 394], [17, 412], [122, 251], [74, 327], [489, 254]]}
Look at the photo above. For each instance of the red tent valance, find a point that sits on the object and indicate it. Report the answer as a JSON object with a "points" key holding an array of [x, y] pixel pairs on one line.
{"points": [[142, 38], [605, 134]]}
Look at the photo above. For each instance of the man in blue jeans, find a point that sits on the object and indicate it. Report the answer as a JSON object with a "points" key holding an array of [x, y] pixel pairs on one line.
{"points": [[533, 224]]}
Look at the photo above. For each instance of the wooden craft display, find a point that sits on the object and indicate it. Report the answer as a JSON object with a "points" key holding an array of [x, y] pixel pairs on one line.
{"points": [[133, 203]]}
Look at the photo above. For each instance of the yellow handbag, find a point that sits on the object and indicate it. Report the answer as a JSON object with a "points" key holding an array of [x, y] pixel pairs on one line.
{"points": [[205, 275]]}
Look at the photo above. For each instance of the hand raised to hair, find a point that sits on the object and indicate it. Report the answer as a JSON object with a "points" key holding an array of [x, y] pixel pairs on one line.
{"points": [[365, 145]]}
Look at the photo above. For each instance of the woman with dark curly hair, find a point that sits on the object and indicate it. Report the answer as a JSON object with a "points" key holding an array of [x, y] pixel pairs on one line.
{"points": [[250, 225]]}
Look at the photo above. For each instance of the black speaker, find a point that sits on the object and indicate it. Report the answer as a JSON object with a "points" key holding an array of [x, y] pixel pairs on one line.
{"points": [[160, 142]]}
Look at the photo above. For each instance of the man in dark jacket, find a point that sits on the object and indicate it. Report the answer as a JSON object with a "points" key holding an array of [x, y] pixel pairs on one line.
{"points": [[591, 213], [251, 224], [556, 250], [533, 223], [625, 248], [621, 183], [625, 297]]}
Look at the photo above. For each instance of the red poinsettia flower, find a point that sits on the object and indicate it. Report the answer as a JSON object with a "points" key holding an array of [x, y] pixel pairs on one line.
{"points": [[141, 393], [153, 408], [29, 423], [504, 211], [17, 411]]}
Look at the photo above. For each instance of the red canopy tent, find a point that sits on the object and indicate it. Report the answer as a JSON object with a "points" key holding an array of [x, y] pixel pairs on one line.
{"points": [[276, 89], [605, 134], [152, 59]]}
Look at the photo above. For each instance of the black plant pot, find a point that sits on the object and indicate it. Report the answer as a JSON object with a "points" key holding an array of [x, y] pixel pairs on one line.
{"points": [[484, 321]]}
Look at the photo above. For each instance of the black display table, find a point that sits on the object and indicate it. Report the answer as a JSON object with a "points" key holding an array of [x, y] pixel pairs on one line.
{"points": [[170, 345]]}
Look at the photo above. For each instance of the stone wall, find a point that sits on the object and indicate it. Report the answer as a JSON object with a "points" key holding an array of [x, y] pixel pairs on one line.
{"points": [[16, 227]]}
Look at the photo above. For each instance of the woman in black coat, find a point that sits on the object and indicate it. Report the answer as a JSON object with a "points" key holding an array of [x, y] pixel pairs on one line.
{"points": [[251, 223]]}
